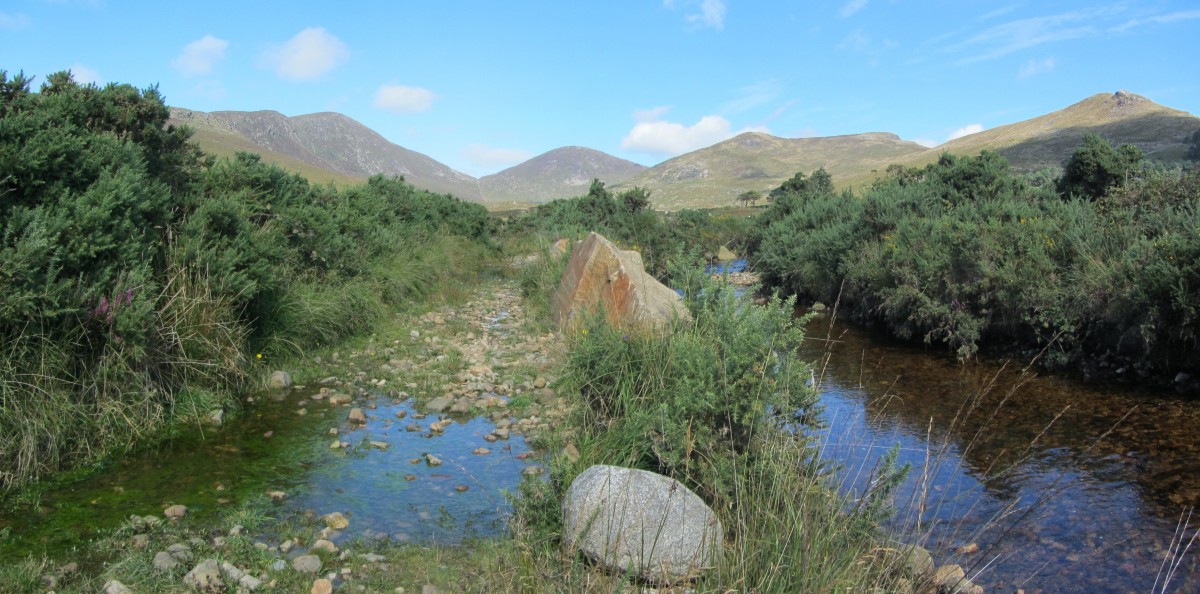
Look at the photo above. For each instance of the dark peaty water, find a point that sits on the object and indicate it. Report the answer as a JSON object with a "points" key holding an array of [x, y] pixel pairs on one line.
{"points": [[1065, 487]]}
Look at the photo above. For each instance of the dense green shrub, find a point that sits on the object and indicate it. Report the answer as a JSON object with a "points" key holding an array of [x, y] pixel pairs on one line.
{"points": [[966, 252], [134, 266]]}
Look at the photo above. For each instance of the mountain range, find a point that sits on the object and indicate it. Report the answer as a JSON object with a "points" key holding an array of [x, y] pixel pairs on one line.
{"points": [[331, 147]]}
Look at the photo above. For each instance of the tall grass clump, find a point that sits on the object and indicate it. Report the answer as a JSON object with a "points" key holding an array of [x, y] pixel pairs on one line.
{"points": [[968, 253], [721, 404]]}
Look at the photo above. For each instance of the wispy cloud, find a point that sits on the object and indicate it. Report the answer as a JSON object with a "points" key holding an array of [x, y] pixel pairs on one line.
{"points": [[198, 57], [402, 99], [1021, 34], [84, 75], [13, 22], [991, 14], [1036, 67], [967, 130], [1001, 40], [852, 7], [1162, 19], [310, 54], [752, 96], [708, 13], [672, 138], [489, 157]]}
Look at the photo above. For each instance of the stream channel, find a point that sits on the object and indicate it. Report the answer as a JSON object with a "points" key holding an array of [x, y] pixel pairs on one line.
{"points": [[1064, 486]]}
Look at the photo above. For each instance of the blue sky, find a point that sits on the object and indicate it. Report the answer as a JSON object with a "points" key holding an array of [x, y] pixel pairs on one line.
{"points": [[483, 85]]}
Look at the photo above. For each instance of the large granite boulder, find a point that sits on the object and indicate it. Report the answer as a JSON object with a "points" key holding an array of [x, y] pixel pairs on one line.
{"points": [[601, 275], [640, 523]]}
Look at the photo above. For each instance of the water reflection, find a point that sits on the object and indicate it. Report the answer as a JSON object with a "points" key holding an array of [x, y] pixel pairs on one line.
{"points": [[1065, 487]]}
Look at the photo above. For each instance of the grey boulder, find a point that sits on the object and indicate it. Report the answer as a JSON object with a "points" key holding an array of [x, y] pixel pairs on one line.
{"points": [[641, 523]]}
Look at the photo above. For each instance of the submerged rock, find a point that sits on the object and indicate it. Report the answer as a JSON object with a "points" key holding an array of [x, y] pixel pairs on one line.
{"points": [[280, 379]]}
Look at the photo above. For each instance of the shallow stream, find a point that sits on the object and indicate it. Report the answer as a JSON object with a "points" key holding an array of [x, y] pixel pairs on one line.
{"points": [[1064, 486]]}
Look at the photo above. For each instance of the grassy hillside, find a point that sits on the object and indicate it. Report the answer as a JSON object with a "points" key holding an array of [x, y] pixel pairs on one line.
{"points": [[561, 173], [1046, 141], [714, 176]]}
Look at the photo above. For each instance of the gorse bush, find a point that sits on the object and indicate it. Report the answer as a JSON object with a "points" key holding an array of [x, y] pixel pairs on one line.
{"points": [[136, 269], [966, 252]]}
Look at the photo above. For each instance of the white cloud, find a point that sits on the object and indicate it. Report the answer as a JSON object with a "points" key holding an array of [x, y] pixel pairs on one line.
{"points": [[1036, 67], [965, 131], [198, 57], [672, 138], [13, 22], [487, 157], [308, 55], [402, 99], [852, 7], [712, 14], [84, 75]]}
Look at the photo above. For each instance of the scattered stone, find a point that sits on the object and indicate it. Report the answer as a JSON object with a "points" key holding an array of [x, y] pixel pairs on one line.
{"points": [[571, 453], [462, 488], [410, 477], [412, 428], [322, 586], [181, 552], [373, 558], [429, 589], [968, 549], [539, 383], [307, 564], [918, 563], [335, 520], [280, 379], [328, 380], [533, 470], [380, 445], [205, 577], [640, 523], [339, 399], [286, 546], [277, 495], [115, 587], [175, 512], [49, 582], [323, 545], [401, 414], [357, 417], [439, 404], [278, 565], [164, 562], [139, 541], [818, 306], [946, 577], [481, 451], [215, 417], [432, 460]]}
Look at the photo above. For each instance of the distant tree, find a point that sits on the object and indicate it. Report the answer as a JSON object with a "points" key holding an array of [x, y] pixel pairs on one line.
{"points": [[749, 197], [1095, 167], [635, 200], [820, 182], [795, 185], [1194, 150]]}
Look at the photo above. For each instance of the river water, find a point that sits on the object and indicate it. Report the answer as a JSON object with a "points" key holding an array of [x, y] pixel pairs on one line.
{"points": [[1064, 486]]}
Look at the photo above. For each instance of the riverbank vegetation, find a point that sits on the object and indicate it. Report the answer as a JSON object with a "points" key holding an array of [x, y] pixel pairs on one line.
{"points": [[144, 281], [1101, 270]]}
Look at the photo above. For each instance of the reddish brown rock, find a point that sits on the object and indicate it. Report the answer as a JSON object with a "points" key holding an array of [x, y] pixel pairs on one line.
{"points": [[601, 275]]}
